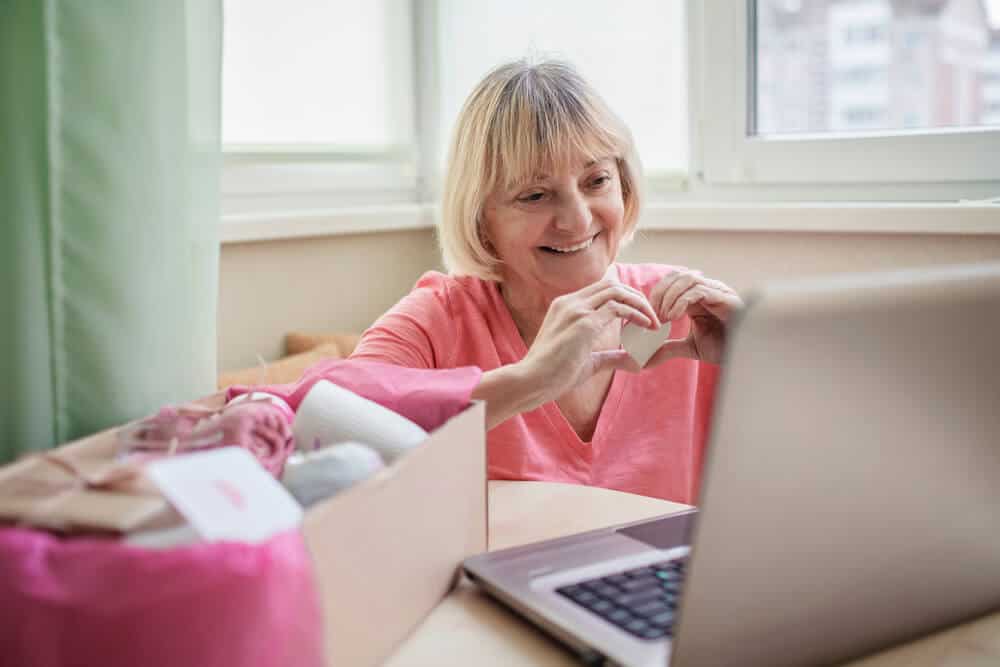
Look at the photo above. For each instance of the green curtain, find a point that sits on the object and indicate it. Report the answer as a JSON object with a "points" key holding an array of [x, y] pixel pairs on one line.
{"points": [[109, 178]]}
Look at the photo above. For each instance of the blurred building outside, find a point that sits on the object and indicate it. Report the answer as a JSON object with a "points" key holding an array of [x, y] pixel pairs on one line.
{"points": [[869, 65]]}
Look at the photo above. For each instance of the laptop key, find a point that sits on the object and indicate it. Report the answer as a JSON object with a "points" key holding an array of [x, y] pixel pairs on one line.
{"points": [[636, 626], [662, 620], [643, 601], [584, 597], [618, 616], [640, 572], [651, 608], [632, 599], [605, 590], [640, 584], [600, 606], [653, 633]]}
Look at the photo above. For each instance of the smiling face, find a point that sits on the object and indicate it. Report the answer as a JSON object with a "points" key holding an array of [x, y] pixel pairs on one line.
{"points": [[558, 232]]}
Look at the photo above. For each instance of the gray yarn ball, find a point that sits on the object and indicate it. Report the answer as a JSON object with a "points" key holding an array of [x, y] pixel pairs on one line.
{"points": [[325, 472]]}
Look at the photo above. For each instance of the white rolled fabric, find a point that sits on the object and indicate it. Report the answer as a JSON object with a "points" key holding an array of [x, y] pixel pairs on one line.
{"points": [[330, 414], [325, 472]]}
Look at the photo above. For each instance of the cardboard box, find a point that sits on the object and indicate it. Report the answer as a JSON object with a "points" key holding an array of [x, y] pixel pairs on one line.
{"points": [[386, 551]]}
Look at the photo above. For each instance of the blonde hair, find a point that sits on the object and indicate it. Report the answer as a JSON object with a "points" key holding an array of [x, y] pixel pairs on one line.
{"points": [[522, 119]]}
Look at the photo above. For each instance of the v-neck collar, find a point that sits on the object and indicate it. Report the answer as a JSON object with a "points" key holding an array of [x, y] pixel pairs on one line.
{"points": [[557, 420]]}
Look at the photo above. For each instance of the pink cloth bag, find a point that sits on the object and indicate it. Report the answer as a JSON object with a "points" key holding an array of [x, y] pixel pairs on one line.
{"points": [[428, 398], [93, 601]]}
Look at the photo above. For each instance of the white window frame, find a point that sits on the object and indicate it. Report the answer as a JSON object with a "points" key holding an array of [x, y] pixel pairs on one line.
{"points": [[733, 182], [935, 164], [263, 181]]}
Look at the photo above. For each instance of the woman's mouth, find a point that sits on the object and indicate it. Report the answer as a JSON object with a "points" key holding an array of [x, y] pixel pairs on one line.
{"points": [[570, 249]]}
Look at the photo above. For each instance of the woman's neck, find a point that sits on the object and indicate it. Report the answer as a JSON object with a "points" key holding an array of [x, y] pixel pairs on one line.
{"points": [[528, 307], [527, 310]]}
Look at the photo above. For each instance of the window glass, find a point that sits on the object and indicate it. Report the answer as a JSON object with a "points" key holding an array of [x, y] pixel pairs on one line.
{"points": [[317, 72], [829, 66], [632, 52]]}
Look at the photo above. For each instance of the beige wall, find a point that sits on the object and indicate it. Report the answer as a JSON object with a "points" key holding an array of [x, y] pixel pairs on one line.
{"points": [[329, 284], [342, 283], [744, 259]]}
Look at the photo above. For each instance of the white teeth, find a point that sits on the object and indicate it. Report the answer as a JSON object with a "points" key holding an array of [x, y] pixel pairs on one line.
{"points": [[574, 248]]}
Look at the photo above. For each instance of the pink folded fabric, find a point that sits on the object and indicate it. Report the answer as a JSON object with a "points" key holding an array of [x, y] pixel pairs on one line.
{"points": [[428, 398], [257, 425], [93, 601]]}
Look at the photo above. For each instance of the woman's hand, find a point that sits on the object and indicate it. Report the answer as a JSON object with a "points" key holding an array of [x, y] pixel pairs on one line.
{"points": [[709, 303], [562, 354]]}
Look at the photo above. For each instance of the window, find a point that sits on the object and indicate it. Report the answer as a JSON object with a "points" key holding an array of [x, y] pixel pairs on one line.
{"points": [[884, 91], [634, 58], [331, 103], [314, 74], [317, 101], [861, 79]]}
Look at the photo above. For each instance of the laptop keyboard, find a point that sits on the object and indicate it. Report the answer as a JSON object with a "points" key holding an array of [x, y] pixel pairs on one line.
{"points": [[641, 601]]}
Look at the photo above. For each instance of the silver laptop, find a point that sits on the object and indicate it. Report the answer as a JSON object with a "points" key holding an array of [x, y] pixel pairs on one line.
{"points": [[851, 498]]}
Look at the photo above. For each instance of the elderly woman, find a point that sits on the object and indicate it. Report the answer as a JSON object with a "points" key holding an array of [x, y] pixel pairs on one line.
{"points": [[543, 189]]}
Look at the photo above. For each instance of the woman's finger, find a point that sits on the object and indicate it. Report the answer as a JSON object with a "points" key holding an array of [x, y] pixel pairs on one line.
{"points": [[622, 294], [717, 285], [656, 294], [612, 310], [719, 304], [680, 284], [675, 305], [722, 304]]}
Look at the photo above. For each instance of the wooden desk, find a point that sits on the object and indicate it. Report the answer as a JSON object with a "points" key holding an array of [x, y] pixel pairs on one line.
{"points": [[468, 628]]}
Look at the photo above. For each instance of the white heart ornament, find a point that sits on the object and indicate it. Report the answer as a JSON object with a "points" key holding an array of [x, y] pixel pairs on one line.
{"points": [[641, 343]]}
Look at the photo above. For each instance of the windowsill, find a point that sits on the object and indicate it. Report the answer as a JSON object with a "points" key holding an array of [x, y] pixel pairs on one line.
{"points": [[833, 218], [245, 228]]}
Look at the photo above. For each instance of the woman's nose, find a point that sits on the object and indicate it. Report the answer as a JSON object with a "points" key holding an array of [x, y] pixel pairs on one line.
{"points": [[574, 213]]}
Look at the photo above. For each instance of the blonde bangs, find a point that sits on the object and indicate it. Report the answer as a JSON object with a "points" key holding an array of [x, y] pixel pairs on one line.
{"points": [[541, 126]]}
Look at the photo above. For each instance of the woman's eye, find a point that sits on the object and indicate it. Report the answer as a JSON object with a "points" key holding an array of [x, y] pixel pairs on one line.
{"points": [[531, 197], [600, 181]]}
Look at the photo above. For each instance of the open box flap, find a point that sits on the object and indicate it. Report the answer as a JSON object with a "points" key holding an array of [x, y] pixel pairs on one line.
{"points": [[388, 550]]}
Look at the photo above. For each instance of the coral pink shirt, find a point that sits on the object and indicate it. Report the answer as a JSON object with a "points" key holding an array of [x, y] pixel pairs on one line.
{"points": [[651, 431]]}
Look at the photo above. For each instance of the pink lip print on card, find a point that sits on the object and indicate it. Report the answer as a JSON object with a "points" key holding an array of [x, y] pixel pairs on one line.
{"points": [[225, 494]]}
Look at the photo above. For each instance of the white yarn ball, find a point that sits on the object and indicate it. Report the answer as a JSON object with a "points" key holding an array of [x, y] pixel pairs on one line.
{"points": [[329, 413], [317, 475]]}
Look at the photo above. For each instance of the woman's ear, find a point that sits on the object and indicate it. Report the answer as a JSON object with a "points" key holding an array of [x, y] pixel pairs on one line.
{"points": [[484, 236]]}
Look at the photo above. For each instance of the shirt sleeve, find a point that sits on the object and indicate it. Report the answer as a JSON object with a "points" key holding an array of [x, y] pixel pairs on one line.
{"points": [[414, 332]]}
